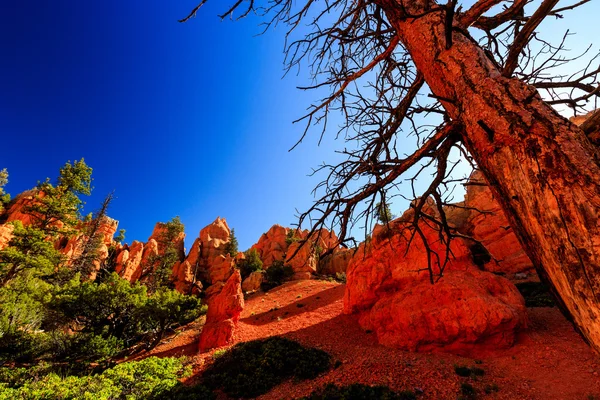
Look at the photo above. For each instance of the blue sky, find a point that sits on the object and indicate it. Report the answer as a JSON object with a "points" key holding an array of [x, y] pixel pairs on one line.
{"points": [[179, 119]]}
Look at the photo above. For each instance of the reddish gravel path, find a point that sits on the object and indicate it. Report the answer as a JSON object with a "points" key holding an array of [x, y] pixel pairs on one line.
{"points": [[549, 362]]}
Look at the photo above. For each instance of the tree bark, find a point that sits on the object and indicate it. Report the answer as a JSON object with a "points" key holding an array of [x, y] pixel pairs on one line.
{"points": [[543, 169]]}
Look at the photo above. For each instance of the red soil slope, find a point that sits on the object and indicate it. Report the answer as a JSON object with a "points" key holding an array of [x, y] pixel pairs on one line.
{"points": [[550, 361]]}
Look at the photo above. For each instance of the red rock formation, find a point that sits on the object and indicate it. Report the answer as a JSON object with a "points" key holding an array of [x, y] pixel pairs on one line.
{"points": [[159, 236], [272, 245], [225, 303], [336, 262], [387, 283], [16, 210], [129, 262], [253, 281], [184, 278], [489, 226], [5, 235], [302, 258], [460, 311]]}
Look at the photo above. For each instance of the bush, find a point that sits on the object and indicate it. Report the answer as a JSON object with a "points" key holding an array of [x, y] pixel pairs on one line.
{"points": [[116, 314], [253, 368], [359, 392], [275, 275], [291, 237], [536, 294], [250, 263], [148, 378]]}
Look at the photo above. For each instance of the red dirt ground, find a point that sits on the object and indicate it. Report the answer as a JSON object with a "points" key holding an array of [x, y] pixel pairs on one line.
{"points": [[549, 362]]}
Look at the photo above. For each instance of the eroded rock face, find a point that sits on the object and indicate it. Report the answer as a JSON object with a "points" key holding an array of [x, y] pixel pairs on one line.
{"points": [[5, 235], [302, 258], [336, 262], [253, 281], [16, 211], [213, 239], [183, 277], [272, 245], [159, 235], [388, 286], [129, 262], [225, 303], [460, 311], [284, 244], [490, 226]]}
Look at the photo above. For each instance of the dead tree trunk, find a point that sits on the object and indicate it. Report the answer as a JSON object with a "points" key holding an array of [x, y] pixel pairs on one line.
{"points": [[542, 168]]}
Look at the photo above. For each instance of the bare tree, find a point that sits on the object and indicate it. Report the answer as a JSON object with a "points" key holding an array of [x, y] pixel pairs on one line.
{"points": [[487, 81]]}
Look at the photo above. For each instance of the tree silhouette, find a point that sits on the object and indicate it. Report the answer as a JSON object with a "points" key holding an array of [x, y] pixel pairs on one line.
{"points": [[487, 81]]}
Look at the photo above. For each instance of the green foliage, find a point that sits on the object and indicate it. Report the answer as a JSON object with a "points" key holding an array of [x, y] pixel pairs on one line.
{"points": [[359, 392], [159, 267], [4, 197], [291, 237], [120, 237], [184, 392], [117, 314], [149, 378], [253, 368], [231, 247], [250, 263], [166, 309], [58, 210], [536, 294], [383, 213], [275, 275], [28, 252]]}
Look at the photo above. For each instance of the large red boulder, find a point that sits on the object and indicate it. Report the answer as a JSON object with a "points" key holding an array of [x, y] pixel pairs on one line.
{"points": [[225, 303], [458, 312], [389, 287]]}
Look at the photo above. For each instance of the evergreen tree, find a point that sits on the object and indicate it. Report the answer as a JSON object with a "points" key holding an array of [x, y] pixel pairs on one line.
{"points": [[250, 263], [91, 240], [383, 213], [159, 268], [57, 208], [4, 197], [231, 247]]}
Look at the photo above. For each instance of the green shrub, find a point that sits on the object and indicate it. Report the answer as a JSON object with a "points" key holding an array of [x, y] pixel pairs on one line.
{"points": [[185, 392], [291, 237], [253, 368], [359, 392], [536, 294], [250, 263], [275, 275], [231, 247], [148, 378]]}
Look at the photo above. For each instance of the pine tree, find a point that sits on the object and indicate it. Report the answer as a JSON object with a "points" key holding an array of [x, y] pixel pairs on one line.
{"points": [[231, 247], [383, 213], [4, 197]]}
